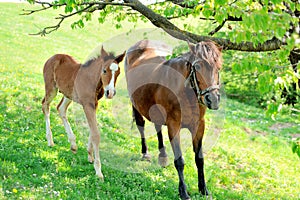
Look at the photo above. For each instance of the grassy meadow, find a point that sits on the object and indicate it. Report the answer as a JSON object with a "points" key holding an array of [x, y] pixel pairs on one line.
{"points": [[251, 159]]}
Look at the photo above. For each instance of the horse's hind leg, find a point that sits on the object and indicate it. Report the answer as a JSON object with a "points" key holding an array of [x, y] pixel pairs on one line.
{"points": [[140, 123], [49, 96], [62, 109], [162, 157]]}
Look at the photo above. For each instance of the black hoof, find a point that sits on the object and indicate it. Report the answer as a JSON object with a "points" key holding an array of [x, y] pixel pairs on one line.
{"points": [[185, 197], [204, 191]]}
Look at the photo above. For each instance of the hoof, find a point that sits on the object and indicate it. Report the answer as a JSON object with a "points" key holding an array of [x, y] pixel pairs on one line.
{"points": [[163, 161], [185, 197], [100, 176], [204, 191], [74, 149], [51, 144], [146, 157], [91, 160]]}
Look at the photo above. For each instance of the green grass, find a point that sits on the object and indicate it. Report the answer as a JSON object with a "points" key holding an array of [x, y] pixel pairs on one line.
{"points": [[252, 158]]}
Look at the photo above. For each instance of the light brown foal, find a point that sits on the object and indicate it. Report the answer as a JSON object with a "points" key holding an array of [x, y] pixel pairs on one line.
{"points": [[85, 84]]}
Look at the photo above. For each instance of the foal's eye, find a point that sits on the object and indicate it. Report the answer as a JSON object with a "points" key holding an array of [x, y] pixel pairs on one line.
{"points": [[104, 71]]}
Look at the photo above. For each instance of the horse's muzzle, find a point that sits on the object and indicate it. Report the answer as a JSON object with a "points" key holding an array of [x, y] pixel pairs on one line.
{"points": [[110, 93], [212, 100]]}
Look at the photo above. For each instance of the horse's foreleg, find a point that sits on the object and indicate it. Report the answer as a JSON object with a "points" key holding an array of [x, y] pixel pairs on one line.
{"points": [[174, 135], [62, 109], [162, 157], [199, 159], [94, 138], [46, 110], [140, 123], [90, 150]]}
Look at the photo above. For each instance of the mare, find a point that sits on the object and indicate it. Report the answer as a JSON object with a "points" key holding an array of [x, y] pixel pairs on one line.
{"points": [[175, 93], [82, 83]]}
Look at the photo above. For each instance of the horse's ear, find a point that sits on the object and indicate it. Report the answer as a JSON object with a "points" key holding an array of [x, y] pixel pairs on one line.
{"points": [[120, 57], [103, 52], [220, 48], [191, 47]]}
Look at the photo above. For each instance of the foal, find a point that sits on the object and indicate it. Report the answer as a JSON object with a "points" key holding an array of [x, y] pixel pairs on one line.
{"points": [[85, 84]]}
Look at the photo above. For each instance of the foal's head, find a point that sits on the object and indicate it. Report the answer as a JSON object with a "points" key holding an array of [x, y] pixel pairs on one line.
{"points": [[206, 61], [110, 72]]}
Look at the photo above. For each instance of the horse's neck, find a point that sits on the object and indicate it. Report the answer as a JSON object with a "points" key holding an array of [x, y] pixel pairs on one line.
{"points": [[92, 72], [180, 64]]}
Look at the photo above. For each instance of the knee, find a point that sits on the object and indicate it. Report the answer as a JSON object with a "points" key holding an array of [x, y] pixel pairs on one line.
{"points": [[140, 122]]}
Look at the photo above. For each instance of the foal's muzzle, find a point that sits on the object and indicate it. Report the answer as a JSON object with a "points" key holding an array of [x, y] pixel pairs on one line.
{"points": [[212, 99], [110, 93]]}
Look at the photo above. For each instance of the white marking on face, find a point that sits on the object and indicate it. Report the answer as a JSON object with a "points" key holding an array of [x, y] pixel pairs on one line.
{"points": [[110, 87], [114, 67]]}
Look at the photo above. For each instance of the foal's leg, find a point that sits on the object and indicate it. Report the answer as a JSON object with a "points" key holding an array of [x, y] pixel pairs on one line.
{"points": [[94, 138], [174, 135], [162, 157], [49, 96], [62, 109], [199, 159], [140, 123]]}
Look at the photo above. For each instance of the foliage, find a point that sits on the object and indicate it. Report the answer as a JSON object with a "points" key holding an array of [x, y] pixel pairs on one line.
{"points": [[252, 159]]}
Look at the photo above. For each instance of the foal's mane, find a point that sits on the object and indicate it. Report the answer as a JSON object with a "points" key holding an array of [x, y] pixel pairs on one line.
{"points": [[96, 54], [209, 51]]}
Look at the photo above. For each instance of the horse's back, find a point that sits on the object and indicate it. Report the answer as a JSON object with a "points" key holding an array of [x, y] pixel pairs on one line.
{"points": [[146, 51]]}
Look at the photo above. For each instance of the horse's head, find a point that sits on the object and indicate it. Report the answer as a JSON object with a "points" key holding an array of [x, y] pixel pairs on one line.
{"points": [[110, 72], [205, 62]]}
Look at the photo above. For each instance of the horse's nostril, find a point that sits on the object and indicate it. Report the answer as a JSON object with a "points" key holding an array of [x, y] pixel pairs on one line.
{"points": [[208, 99], [107, 92]]}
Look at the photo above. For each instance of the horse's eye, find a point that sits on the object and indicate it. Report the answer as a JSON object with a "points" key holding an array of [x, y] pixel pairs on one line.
{"points": [[104, 71], [197, 66]]}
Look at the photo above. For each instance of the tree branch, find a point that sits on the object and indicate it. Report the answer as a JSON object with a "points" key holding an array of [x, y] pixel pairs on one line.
{"points": [[88, 8], [217, 28], [163, 23], [174, 31]]}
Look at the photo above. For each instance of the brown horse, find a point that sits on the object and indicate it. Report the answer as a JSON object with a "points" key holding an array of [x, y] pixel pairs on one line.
{"points": [[174, 93], [84, 84]]}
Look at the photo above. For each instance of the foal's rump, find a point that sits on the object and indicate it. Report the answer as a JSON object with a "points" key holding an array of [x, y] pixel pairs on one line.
{"points": [[60, 71]]}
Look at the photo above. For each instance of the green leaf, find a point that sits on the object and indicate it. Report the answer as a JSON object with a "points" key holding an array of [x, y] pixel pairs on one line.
{"points": [[248, 35], [221, 2], [207, 12], [241, 37], [264, 83]]}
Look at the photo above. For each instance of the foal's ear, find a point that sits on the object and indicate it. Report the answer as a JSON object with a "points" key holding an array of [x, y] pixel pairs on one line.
{"points": [[103, 52], [191, 47], [120, 57]]}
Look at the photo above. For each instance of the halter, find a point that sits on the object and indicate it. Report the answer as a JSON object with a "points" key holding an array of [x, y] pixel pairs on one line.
{"points": [[192, 78]]}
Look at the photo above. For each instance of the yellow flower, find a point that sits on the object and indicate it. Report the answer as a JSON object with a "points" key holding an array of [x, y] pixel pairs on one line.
{"points": [[15, 191]]}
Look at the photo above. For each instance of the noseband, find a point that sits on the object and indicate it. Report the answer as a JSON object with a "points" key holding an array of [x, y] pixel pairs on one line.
{"points": [[192, 78]]}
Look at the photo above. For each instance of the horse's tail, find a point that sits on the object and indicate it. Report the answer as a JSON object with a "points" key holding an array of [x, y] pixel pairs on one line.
{"points": [[133, 118]]}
